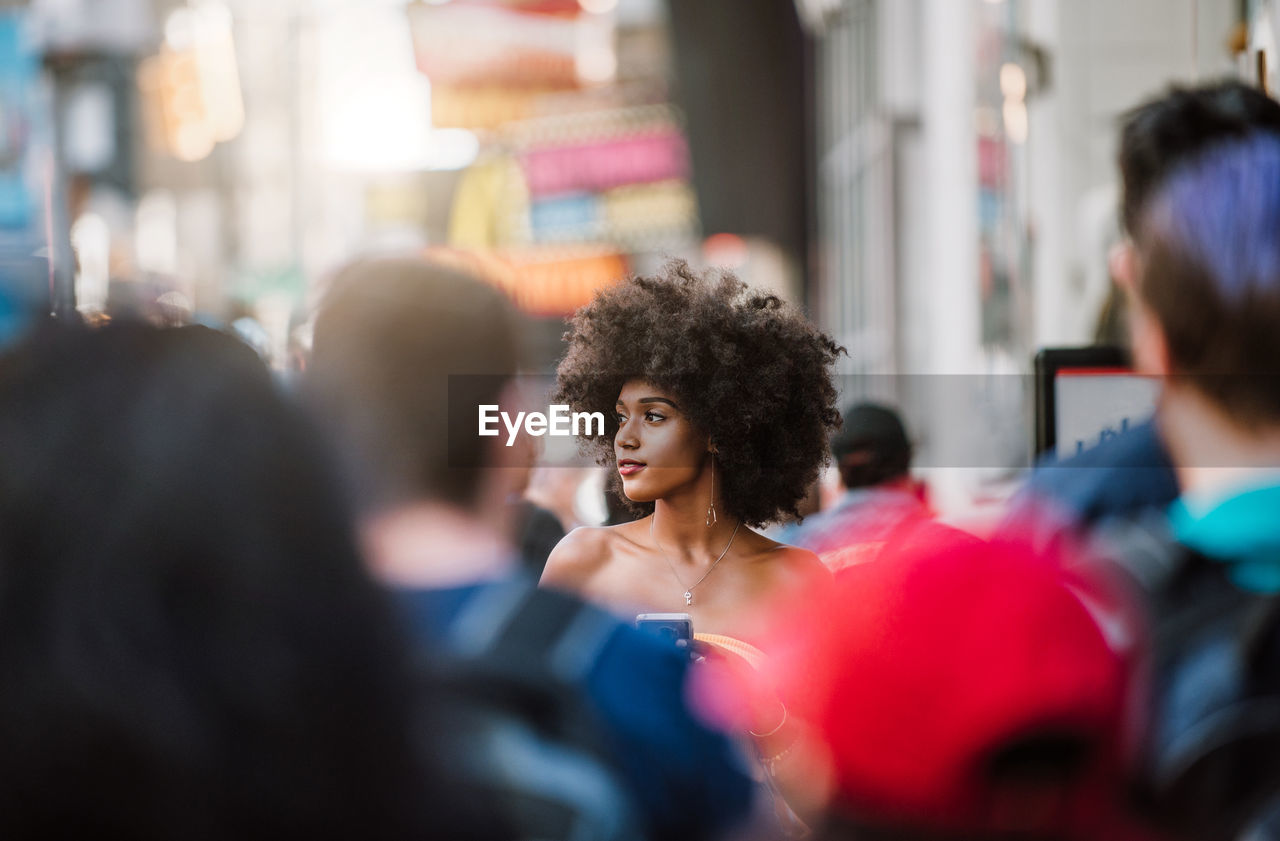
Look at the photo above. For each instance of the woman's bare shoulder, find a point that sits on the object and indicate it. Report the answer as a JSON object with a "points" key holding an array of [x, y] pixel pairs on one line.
{"points": [[580, 554], [793, 561]]}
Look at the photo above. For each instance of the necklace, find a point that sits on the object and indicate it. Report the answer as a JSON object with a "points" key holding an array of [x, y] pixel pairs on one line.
{"points": [[688, 594]]}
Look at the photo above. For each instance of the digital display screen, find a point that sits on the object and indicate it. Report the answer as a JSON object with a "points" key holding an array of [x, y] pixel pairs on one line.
{"points": [[1092, 405]]}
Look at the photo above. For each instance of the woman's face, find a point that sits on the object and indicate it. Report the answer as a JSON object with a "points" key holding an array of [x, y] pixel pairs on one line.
{"points": [[658, 451]]}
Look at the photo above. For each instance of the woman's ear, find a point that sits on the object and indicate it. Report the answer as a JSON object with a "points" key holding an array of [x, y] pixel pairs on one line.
{"points": [[712, 448]]}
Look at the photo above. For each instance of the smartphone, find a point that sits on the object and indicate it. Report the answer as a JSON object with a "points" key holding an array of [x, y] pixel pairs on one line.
{"points": [[676, 627]]}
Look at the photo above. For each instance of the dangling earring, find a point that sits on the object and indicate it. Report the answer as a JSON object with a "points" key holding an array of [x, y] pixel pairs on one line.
{"points": [[711, 509]]}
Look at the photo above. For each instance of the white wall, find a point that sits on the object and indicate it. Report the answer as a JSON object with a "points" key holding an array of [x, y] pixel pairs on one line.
{"points": [[1106, 57]]}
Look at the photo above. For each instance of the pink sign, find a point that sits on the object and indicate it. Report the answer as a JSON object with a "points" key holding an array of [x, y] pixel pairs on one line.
{"points": [[601, 165]]}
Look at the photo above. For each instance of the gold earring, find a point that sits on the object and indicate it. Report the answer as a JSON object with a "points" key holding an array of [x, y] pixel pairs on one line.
{"points": [[711, 509]]}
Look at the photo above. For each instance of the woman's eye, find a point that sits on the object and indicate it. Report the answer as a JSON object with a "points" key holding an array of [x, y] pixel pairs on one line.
{"points": [[653, 416], [621, 419]]}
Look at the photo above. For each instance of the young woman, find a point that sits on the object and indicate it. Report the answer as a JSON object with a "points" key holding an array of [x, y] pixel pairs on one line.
{"points": [[718, 403]]}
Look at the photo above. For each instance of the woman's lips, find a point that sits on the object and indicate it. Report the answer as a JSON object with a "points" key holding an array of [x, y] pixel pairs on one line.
{"points": [[630, 468]]}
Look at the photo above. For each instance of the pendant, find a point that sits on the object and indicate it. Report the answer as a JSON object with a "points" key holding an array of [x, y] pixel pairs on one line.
{"points": [[688, 597]]}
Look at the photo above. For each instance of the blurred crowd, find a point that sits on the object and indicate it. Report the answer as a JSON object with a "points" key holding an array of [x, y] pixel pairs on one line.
{"points": [[239, 606]]}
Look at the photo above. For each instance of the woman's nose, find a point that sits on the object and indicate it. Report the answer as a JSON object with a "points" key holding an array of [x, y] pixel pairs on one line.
{"points": [[626, 436]]}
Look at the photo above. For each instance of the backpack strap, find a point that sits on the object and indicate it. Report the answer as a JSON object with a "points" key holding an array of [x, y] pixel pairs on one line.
{"points": [[1141, 546], [534, 649], [1214, 751], [526, 633], [520, 658]]}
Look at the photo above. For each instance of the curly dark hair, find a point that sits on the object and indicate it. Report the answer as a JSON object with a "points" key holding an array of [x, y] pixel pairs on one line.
{"points": [[748, 369]]}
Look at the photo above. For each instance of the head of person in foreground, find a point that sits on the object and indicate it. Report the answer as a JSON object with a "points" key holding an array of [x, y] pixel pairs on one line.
{"points": [[189, 646], [960, 690]]}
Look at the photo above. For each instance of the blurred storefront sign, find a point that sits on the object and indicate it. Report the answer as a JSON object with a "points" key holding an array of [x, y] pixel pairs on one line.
{"points": [[606, 163], [640, 216], [575, 186], [613, 177], [557, 284], [484, 107], [490, 64], [518, 45], [543, 282]]}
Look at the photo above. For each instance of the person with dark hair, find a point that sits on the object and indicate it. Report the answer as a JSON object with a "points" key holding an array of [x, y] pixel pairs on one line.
{"points": [[584, 729], [1205, 302], [880, 505], [1133, 471], [718, 401], [872, 447], [1164, 133], [189, 644]]}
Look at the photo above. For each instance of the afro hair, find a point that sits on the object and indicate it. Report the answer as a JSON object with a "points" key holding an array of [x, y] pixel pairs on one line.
{"points": [[749, 370]]}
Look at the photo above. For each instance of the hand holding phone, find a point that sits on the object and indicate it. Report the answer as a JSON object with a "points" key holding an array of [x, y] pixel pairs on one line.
{"points": [[676, 627]]}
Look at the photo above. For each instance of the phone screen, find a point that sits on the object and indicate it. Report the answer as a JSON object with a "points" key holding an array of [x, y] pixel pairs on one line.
{"points": [[675, 627]]}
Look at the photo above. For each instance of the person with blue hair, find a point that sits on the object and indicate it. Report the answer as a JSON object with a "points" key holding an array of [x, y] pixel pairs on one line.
{"points": [[1205, 305], [1132, 473]]}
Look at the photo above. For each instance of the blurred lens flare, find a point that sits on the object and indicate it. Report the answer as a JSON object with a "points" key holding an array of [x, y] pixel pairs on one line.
{"points": [[91, 239], [1013, 81], [1015, 120]]}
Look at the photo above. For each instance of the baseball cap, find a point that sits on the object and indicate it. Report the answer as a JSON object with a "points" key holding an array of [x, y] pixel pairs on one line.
{"points": [[870, 426], [953, 682]]}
